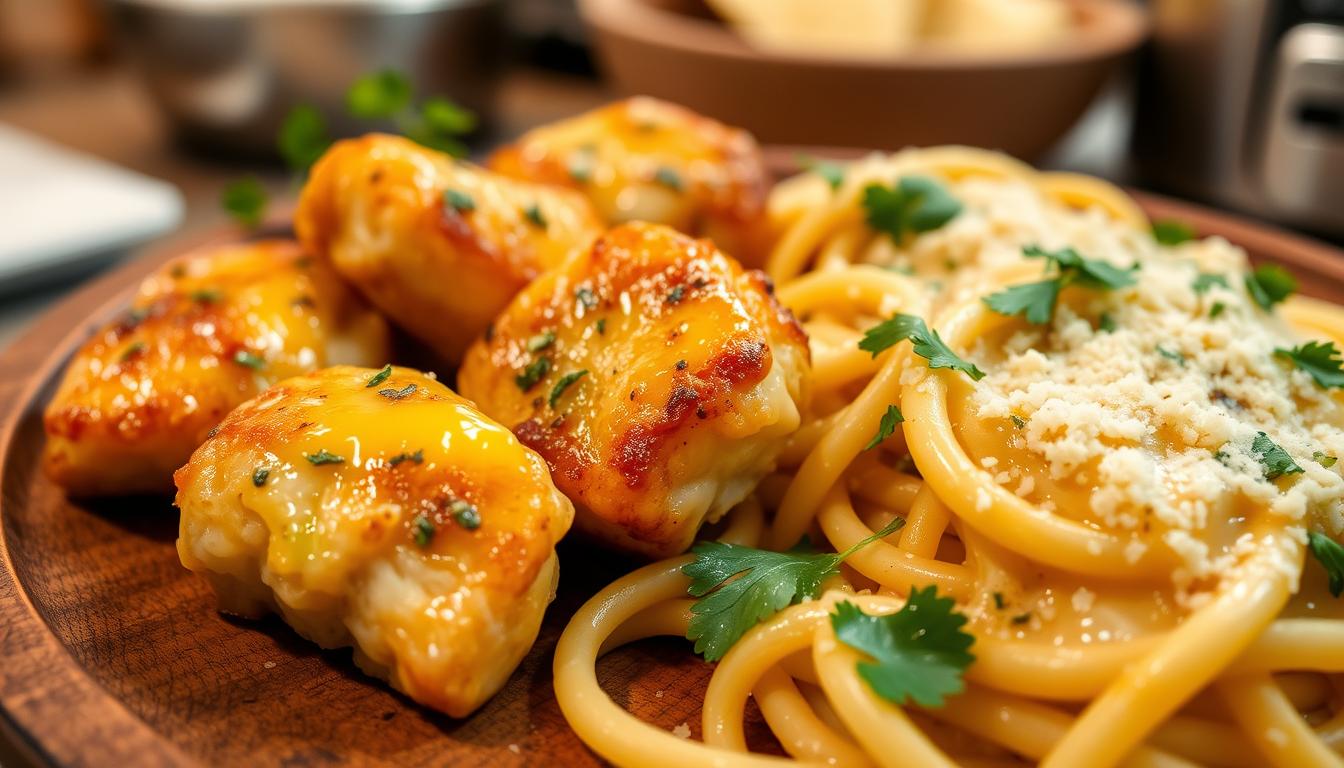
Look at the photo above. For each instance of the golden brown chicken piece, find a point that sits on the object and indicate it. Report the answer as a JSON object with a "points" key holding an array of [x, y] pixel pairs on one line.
{"points": [[202, 335], [647, 160], [380, 510], [657, 378], [437, 244]]}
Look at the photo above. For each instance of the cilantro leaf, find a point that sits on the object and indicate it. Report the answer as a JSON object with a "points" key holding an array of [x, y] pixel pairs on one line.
{"points": [[1073, 266], [323, 457], [1035, 301], [1331, 555], [423, 529], [886, 427], [1324, 459], [1205, 281], [303, 137], [1172, 232], [833, 173], [459, 201], [915, 204], [769, 582], [245, 200], [927, 343], [249, 359], [919, 652], [1322, 361], [379, 95], [1276, 461], [1270, 284]]}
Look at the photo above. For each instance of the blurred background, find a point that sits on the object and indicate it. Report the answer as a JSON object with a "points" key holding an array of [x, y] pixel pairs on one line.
{"points": [[122, 121]]}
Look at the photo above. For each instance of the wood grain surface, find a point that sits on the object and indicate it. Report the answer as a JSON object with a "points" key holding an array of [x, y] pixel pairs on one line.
{"points": [[111, 654]]}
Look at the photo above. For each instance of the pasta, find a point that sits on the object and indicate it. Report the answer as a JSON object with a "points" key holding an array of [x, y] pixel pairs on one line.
{"points": [[1102, 501]]}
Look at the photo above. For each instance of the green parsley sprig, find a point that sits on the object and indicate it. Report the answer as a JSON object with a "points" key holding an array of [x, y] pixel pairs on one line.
{"points": [[1270, 284], [915, 204], [1172, 231], [768, 583], [832, 172], [1331, 555], [1321, 361], [1036, 301], [919, 652], [1276, 461], [927, 343], [886, 427]]}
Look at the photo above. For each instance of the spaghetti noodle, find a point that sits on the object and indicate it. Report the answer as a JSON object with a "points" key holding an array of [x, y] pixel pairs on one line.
{"points": [[1103, 504]]}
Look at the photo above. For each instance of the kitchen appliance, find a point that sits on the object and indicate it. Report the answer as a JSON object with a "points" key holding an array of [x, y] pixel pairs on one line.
{"points": [[1241, 102]]}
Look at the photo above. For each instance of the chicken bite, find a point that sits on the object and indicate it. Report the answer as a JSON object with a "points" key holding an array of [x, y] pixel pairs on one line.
{"points": [[642, 159], [657, 377], [202, 335], [437, 244], [378, 509]]}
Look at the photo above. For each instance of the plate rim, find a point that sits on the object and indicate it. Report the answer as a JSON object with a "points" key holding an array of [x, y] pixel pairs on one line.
{"points": [[40, 675]]}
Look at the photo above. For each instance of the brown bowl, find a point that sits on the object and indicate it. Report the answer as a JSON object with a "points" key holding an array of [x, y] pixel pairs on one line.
{"points": [[1019, 102]]}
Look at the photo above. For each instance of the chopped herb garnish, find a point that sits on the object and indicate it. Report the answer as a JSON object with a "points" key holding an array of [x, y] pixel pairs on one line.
{"points": [[1274, 459], [533, 373], [533, 214], [379, 377], [459, 201], [601, 325], [249, 359], [1172, 232], [587, 299], [927, 343], [323, 457], [541, 341], [417, 458], [833, 173], [675, 295], [681, 365], [915, 204], [998, 601], [465, 514], [768, 582], [1204, 282], [1022, 618], [1216, 309], [205, 295], [668, 177], [245, 200], [1321, 458], [885, 427], [1036, 301], [379, 95], [423, 529], [1331, 555], [919, 652], [1173, 355], [563, 384], [131, 350], [259, 476], [1106, 323], [398, 394], [1270, 284], [1018, 421], [303, 137], [1321, 361]]}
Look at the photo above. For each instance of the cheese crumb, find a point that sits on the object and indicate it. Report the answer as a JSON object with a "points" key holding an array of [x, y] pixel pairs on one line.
{"points": [[682, 731]]}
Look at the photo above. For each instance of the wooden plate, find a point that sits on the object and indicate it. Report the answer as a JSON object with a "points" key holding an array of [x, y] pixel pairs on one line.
{"points": [[112, 654]]}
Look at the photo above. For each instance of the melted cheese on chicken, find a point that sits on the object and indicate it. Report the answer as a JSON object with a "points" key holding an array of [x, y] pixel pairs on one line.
{"points": [[647, 160], [657, 378], [385, 513], [201, 336], [437, 244]]}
